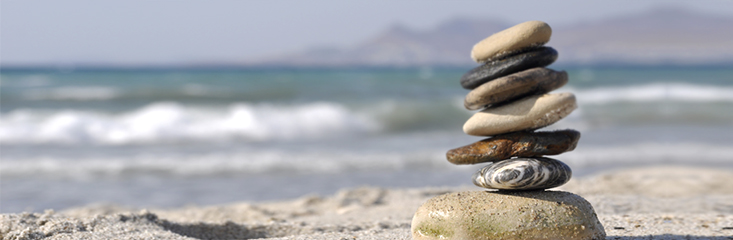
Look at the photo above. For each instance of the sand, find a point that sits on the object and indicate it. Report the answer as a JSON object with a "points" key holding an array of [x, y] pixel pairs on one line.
{"points": [[659, 202]]}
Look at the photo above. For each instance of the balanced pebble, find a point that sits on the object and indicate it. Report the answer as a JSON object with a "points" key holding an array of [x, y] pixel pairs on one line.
{"points": [[516, 144], [525, 114], [523, 174], [510, 40], [511, 87], [507, 215], [529, 82], [536, 57]]}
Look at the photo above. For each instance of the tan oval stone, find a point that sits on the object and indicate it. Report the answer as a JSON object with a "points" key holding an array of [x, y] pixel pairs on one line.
{"points": [[511, 40], [535, 80], [528, 113], [507, 215]]}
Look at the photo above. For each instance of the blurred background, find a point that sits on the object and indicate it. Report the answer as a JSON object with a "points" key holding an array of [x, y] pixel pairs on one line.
{"points": [[171, 103]]}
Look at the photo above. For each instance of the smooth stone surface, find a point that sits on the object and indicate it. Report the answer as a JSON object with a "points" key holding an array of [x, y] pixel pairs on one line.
{"points": [[525, 114], [535, 57], [510, 40], [528, 82], [523, 174], [507, 215], [516, 144]]}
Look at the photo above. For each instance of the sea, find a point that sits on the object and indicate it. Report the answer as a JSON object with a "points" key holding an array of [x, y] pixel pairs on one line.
{"points": [[167, 138]]}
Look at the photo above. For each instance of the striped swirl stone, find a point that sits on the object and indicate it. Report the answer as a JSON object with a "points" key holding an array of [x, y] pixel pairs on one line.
{"points": [[523, 174]]}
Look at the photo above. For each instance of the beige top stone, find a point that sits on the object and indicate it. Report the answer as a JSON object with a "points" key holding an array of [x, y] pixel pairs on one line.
{"points": [[528, 113], [510, 40]]}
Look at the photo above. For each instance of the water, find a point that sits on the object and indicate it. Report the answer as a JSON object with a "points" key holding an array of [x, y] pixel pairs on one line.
{"points": [[167, 138]]}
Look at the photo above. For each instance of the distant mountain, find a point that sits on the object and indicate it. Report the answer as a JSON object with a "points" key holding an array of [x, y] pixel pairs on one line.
{"points": [[661, 36], [401, 46]]}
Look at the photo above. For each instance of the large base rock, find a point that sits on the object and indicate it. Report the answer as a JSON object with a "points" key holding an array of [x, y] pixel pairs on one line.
{"points": [[507, 215]]}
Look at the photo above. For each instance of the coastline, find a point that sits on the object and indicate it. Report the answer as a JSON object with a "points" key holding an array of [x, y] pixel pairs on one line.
{"points": [[653, 202]]}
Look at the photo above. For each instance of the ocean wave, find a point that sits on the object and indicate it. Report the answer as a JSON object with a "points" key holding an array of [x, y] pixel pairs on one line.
{"points": [[32, 80], [166, 122], [282, 161], [173, 122], [655, 92], [272, 161], [86, 93], [649, 153], [95, 93]]}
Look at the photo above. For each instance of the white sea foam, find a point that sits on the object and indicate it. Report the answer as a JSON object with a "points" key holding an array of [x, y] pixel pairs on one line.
{"points": [[172, 122], [655, 92], [73, 93]]}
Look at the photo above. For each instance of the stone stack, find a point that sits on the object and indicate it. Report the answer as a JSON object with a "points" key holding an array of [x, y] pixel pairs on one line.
{"points": [[511, 88]]}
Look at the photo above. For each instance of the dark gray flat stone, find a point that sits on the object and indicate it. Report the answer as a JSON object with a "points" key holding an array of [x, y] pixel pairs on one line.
{"points": [[535, 57]]}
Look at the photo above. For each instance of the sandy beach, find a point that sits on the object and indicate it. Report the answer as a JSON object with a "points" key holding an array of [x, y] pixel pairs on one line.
{"points": [[658, 202], [341, 120]]}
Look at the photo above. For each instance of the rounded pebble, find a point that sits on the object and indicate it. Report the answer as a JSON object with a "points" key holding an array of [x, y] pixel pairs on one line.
{"points": [[523, 35], [516, 144], [525, 114], [523, 174], [507, 215], [532, 58], [529, 82]]}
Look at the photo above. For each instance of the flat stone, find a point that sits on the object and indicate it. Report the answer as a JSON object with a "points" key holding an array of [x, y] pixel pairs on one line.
{"points": [[507, 215], [531, 58], [511, 87], [510, 40], [525, 114], [523, 174], [516, 144]]}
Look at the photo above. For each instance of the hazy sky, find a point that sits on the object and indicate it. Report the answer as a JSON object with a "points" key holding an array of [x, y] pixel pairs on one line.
{"points": [[172, 32]]}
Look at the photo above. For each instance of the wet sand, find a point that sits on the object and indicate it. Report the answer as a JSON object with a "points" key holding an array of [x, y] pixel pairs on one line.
{"points": [[660, 202]]}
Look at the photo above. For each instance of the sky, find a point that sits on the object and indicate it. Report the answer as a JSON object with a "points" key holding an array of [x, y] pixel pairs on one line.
{"points": [[139, 32]]}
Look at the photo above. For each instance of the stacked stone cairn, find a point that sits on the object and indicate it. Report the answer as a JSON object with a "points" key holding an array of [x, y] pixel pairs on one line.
{"points": [[511, 88]]}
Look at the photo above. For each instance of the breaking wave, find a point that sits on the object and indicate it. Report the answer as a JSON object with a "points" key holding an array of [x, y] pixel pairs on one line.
{"points": [[173, 122], [678, 92]]}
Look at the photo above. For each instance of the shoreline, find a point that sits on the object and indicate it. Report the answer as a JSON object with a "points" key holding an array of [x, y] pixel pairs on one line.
{"points": [[664, 202]]}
